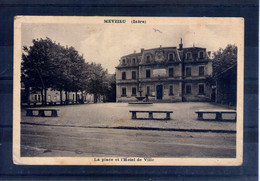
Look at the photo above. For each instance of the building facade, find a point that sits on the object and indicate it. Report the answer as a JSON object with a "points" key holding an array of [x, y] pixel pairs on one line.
{"points": [[165, 74], [53, 97]]}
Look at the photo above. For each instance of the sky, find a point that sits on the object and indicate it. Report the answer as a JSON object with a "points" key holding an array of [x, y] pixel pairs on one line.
{"points": [[106, 43]]}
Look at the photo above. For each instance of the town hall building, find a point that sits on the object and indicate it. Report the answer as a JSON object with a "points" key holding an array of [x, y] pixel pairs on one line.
{"points": [[165, 74]]}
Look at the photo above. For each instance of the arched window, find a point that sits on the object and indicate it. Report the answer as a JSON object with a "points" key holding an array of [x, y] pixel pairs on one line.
{"points": [[148, 58], [171, 57], [201, 54], [188, 55]]}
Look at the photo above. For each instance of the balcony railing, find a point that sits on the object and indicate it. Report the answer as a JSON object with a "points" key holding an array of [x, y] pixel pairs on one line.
{"points": [[162, 78], [126, 80]]}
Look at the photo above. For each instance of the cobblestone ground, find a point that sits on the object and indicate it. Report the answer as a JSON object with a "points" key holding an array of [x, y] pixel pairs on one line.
{"points": [[117, 115]]}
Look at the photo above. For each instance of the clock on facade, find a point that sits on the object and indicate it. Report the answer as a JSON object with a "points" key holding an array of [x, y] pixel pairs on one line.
{"points": [[159, 57]]}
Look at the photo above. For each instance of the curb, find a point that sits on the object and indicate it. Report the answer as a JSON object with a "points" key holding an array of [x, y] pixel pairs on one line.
{"points": [[138, 128]]}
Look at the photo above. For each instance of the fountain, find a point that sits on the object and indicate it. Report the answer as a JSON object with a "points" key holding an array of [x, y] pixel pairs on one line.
{"points": [[140, 98]]}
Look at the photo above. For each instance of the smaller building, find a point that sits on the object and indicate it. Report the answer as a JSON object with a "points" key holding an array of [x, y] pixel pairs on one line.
{"points": [[53, 97], [226, 86]]}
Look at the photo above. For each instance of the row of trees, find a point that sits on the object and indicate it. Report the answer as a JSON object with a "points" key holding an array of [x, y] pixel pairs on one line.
{"points": [[47, 64], [224, 59]]}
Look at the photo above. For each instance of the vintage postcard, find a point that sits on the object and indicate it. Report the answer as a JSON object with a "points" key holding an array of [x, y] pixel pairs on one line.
{"points": [[128, 90]]}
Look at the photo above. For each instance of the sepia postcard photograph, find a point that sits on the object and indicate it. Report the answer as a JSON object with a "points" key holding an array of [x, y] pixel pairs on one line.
{"points": [[128, 90]]}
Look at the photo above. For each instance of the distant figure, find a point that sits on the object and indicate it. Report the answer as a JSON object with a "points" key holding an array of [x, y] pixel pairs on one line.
{"points": [[213, 96], [55, 100], [146, 98]]}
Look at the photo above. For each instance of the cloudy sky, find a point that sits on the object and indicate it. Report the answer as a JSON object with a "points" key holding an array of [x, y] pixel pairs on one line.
{"points": [[106, 43]]}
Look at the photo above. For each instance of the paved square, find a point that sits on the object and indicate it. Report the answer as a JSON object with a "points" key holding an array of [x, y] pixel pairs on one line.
{"points": [[117, 115], [106, 129]]}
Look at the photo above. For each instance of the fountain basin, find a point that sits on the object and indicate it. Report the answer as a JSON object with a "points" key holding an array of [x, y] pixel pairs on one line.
{"points": [[140, 98]]}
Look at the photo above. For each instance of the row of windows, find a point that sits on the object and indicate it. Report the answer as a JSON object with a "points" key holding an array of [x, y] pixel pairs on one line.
{"points": [[133, 75], [189, 55], [201, 89], [187, 90], [188, 71], [129, 61], [38, 97], [124, 91], [148, 59], [170, 57], [171, 73], [134, 91], [148, 74]]}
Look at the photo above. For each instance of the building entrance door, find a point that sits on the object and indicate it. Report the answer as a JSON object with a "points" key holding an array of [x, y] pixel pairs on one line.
{"points": [[159, 91]]}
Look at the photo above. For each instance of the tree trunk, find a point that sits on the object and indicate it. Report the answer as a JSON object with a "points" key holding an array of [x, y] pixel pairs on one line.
{"points": [[27, 94], [76, 97], [66, 95], [95, 98], [42, 96], [45, 96], [60, 96], [82, 97]]}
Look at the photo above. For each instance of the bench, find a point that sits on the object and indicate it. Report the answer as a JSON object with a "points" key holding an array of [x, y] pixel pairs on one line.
{"points": [[218, 113], [150, 114], [41, 111]]}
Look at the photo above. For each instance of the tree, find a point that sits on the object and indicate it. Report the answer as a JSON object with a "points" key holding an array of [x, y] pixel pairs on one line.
{"points": [[46, 64], [224, 58], [76, 71], [97, 80], [37, 69], [110, 88], [49, 65], [61, 63]]}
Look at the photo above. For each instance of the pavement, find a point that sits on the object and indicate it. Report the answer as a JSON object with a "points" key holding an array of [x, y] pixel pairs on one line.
{"points": [[59, 141], [117, 116]]}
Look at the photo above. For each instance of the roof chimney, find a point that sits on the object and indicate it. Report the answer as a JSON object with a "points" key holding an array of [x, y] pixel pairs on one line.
{"points": [[142, 50], [134, 51], [181, 45]]}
